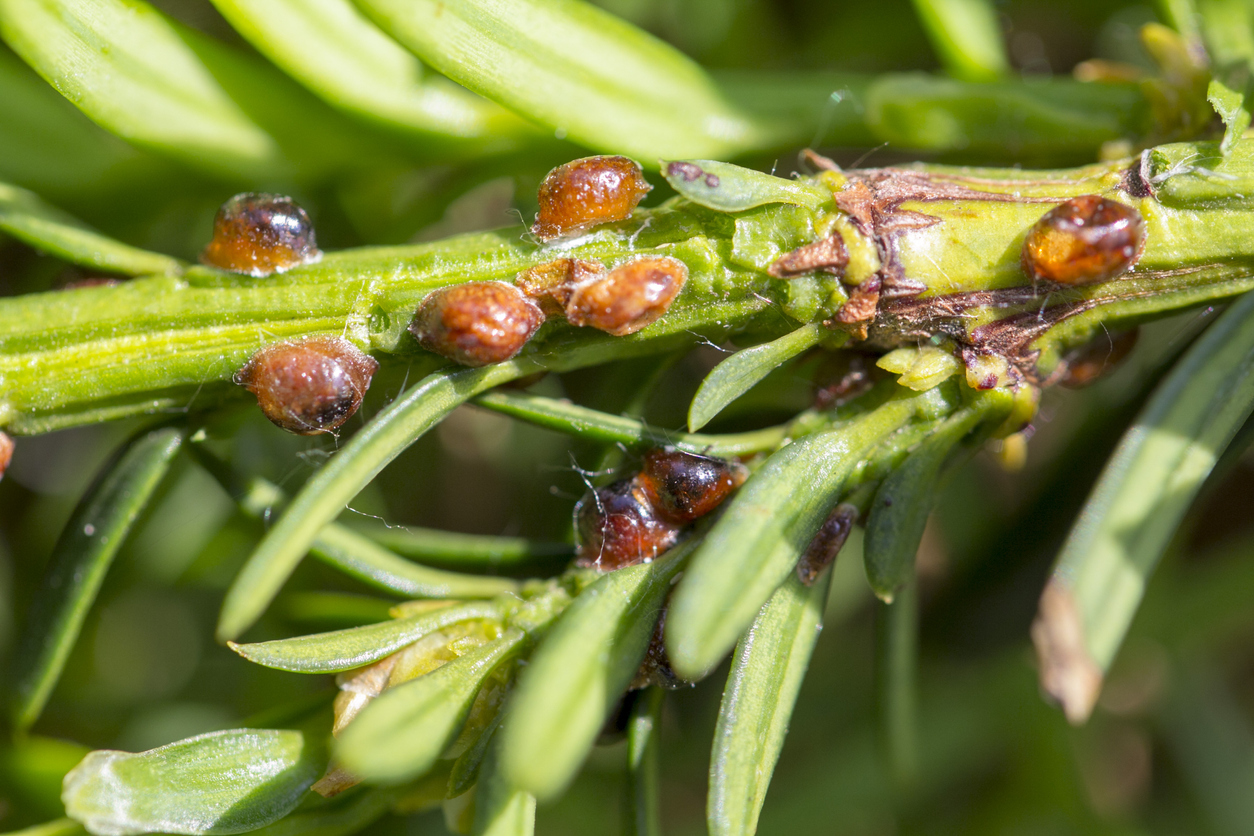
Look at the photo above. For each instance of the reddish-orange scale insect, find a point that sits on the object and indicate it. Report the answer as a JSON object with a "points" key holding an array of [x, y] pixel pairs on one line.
{"points": [[1090, 362], [629, 297], [476, 323], [1084, 240], [683, 487], [586, 193], [260, 234], [618, 527], [6, 452], [309, 386]]}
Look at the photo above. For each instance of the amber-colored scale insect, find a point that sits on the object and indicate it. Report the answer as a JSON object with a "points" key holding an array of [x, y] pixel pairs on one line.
{"points": [[586, 193], [618, 527], [311, 385], [260, 234], [1084, 240], [628, 298], [476, 323]]}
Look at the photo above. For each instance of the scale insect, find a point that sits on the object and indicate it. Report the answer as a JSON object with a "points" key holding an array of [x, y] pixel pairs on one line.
{"points": [[311, 385], [261, 234]]}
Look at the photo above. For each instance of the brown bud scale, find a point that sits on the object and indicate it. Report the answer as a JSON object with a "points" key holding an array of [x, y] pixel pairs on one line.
{"points": [[260, 234], [1084, 240], [586, 193], [311, 385], [476, 323], [628, 298]]}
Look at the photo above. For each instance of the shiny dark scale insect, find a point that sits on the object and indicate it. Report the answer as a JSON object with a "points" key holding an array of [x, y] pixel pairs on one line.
{"points": [[309, 386], [682, 487], [476, 323], [585, 193], [260, 234], [634, 520], [1084, 240], [617, 527]]}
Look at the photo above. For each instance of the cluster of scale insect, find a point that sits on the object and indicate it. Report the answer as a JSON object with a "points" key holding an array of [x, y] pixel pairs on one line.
{"points": [[315, 384], [634, 520], [308, 385], [478, 323]]}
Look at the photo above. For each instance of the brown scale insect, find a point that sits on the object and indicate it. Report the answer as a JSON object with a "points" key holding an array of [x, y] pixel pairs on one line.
{"points": [[309, 386], [634, 520], [550, 285], [628, 298], [618, 527], [476, 323], [6, 452], [586, 193], [683, 487], [655, 669], [1090, 362], [260, 234], [827, 543], [1084, 240]]}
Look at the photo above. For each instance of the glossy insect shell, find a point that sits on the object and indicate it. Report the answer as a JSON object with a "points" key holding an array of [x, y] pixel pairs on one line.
{"points": [[260, 234], [683, 487], [309, 386], [476, 323], [628, 298], [618, 527], [1084, 240], [586, 193]]}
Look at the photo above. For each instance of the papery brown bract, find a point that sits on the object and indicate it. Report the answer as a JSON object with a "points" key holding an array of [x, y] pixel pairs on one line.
{"points": [[1084, 240], [260, 234], [683, 487], [586, 193], [309, 386], [476, 323], [628, 298]]}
